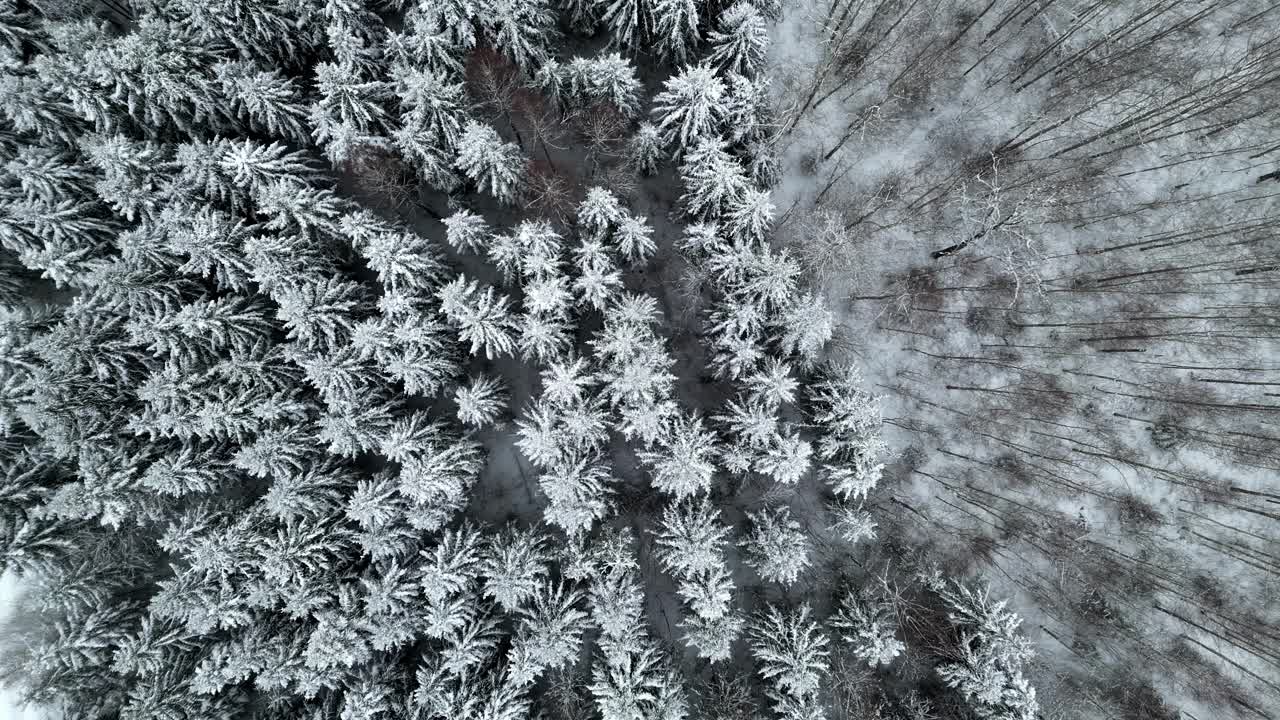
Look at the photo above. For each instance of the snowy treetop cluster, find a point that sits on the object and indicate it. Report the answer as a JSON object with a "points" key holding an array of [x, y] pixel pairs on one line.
{"points": [[247, 412]]}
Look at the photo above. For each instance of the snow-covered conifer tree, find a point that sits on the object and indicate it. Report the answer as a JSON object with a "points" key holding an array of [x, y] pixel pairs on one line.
{"points": [[481, 401], [684, 464], [753, 421], [627, 21], [741, 39], [544, 337], [253, 166], [432, 104], [644, 149], [786, 458], [713, 638], [270, 101], [690, 538], [776, 547], [807, 325], [351, 111], [483, 319], [320, 314], [599, 280], [609, 79], [849, 417], [750, 217], [523, 30], [626, 687], [791, 650], [854, 524], [709, 594], [868, 629], [466, 231], [990, 657], [578, 493], [691, 107], [567, 382], [494, 166], [551, 626], [617, 599], [514, 565], [713, 179], [634, 238], [404, 260], [675, 28], [600, 212], [749, 122]]}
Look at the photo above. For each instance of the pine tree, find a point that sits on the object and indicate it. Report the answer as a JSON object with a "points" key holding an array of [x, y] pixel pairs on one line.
{"points": [[776, 547], [266, 32], [749, 122], [807, 326], [709, 594], [850, 443], [645, 149], [448, 23], [691, 108], [600, 212], [751, 420], [269, 101], [675, 28], [158, 76], [790, 649], [567, 382], [551, 627], [628, 22], [351, 112], [494, 166], [626, 688], [868, 629], [481, 402], [300, 209], [452, 566], [548, 296], [253, 167], [544, 338], [515, 565], [713, 180], [991, 653], [684, 465], [599, 280], [321, 315], [483, 319], [786, 458], [431, 104], [854, 524], [466, 231], [617, 598], [690, 538], [608, 79], [750, 218], [713, 638], [741, 39], [523, 30], [578, 493], [404, 261]]}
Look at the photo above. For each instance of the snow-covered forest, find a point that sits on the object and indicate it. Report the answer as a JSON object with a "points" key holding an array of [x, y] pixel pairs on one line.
{"points": [[640, 359]]}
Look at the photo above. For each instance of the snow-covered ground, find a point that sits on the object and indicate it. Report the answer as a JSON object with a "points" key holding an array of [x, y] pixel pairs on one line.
{"points": [[1032, 380], [10, 709]]}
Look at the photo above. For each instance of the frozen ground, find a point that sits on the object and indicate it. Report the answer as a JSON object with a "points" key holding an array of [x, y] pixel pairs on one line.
{"points": [[1080, 400], [9, 708]]}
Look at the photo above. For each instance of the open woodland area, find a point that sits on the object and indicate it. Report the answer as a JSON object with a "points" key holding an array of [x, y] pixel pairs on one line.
{"points": [[640, 359]]}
